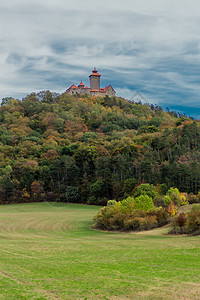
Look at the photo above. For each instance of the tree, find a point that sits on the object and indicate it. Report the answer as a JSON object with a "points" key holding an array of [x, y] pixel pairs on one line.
{"points": [[128, 186], [72, 194], [6, 100], [37, 190], [7, 186]]}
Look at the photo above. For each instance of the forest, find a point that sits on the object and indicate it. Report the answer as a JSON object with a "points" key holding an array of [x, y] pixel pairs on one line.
{"points": [[93, 149]]}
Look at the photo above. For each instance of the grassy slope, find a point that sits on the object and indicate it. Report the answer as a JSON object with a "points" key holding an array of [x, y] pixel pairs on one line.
{"points": [[49, 252]]}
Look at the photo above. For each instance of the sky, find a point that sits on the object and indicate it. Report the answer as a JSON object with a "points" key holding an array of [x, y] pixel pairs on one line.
{"points": [[144, 48]]}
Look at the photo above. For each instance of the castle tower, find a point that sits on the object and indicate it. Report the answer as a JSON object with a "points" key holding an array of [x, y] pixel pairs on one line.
{"points": [[95, 80], [81, 85]]}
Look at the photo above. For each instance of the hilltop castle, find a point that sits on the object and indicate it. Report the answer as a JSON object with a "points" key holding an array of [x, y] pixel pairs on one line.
{"points": [[94, 89]]}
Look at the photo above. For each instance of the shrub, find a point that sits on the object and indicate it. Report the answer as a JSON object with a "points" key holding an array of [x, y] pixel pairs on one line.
{"points": [[114, 217], [172, 209], [193, 220], [183, 199], [178, 198], [128, 205], [148, 222], [180, 220], [111, 202], [104, 217], [117, 221], [101, 219], [174, 195], [194, 198], [143, 202], [127, 201], [131, 224], [187, 223], [166, 200], [145, 189], [179, 224], [161, 216]]}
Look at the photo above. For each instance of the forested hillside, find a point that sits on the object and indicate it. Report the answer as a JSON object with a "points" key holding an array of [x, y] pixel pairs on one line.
{"points": [[89, 150]]}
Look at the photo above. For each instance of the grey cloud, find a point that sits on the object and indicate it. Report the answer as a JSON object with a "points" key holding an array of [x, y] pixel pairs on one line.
{"points": [[151, 46]]}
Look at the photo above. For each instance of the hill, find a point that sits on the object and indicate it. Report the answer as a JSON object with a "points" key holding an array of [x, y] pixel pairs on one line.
{"points": [[89, 149]]}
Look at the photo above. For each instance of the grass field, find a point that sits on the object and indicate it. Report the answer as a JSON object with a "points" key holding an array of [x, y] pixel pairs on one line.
{"points": [[48, 251]]}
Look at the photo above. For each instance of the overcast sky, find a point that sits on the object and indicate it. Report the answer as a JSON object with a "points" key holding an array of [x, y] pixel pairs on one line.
{"points": [[146, 46]]}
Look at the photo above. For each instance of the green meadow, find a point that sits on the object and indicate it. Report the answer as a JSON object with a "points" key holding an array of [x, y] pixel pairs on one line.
{"points": [[49, 251]]}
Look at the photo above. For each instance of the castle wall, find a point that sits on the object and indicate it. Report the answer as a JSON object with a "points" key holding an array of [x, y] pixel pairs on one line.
{"points": [[95, 82], [110, 92], [73, 92], [86, 92]]}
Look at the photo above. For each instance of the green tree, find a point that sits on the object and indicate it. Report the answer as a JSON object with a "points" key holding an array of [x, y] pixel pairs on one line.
{"points": [[72, 194]]}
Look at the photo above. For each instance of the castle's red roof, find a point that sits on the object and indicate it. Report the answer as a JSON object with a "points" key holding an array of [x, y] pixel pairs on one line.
{"points": [[86, 87], [103, 90], [73, 87], [107, 87], [94, 90], [81, 84], [95, 73]]}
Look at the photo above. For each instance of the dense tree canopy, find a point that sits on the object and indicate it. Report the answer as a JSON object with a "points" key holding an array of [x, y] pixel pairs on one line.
{"points": [[81, 149]]}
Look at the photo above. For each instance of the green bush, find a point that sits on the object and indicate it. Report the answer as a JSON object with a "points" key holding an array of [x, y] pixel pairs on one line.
{"points": [[111, 202], [123, 217], [166, 200], [183, 199], [174, 195], [143, 202], [145, 189], [128, 205]]}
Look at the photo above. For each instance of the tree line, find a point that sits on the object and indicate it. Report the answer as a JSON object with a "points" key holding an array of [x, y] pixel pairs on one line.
{"points": [[92, 149]]}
